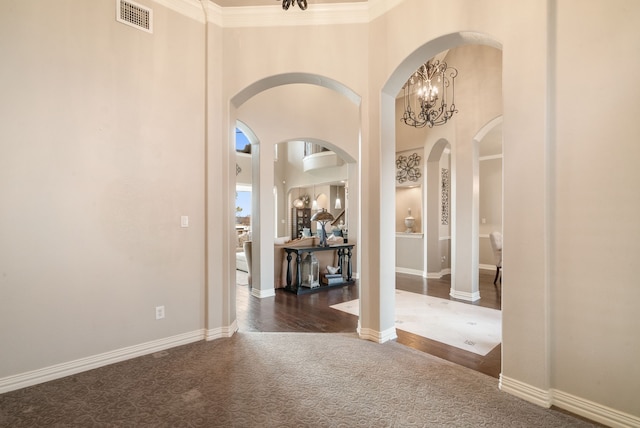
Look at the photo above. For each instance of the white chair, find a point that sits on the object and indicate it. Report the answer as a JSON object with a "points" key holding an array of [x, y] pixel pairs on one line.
{"points": [[496, 246]]}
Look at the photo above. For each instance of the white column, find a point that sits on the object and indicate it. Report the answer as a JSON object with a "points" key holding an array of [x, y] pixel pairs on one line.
{"points": [[464, 217], [262, 219]]}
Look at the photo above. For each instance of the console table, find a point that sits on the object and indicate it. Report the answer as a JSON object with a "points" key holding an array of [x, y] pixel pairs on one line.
{"points": [[344, 259]]}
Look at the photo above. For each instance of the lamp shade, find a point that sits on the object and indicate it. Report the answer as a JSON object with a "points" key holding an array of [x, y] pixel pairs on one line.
{"points": [[322, 216]]}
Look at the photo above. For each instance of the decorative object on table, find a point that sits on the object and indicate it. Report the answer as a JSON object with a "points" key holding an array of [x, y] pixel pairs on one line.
{"points": [[333, 278], [409, 222], [332, 270], [445, 197], [310, 271], [302, 4], [408, 168], [322, 217], [433, 81]]}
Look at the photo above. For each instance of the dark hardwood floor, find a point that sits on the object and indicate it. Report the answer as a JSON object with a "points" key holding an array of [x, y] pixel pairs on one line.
{"points": [[287, 312]]}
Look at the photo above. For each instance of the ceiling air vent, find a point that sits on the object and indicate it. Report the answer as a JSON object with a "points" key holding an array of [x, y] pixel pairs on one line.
{"points": [[135, 15]]}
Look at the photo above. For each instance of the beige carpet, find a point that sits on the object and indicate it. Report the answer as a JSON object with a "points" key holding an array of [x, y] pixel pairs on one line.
{"points": [[277, 380], [472, 328]]}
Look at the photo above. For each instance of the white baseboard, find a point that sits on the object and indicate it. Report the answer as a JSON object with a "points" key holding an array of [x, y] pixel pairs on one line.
{"points": [[525, 391], [463, 295], [594, 411], [409, 271], [57, 371], [487, 267], [222, 332], [438, 275], [577, 405], [261, 294], [377, 336]]}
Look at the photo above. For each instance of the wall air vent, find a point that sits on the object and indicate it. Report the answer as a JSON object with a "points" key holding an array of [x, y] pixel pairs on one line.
{"points": [[135, 15]]}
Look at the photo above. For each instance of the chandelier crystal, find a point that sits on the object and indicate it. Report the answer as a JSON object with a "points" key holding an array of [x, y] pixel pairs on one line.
{"points": [[302, 4], [426, 95]]}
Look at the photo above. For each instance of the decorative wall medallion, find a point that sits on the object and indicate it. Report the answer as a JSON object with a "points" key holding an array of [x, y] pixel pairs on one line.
{"points": [[408, 168], [445, 196], [238, 169]]}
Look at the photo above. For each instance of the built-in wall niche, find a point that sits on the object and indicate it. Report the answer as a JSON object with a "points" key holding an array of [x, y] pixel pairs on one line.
{"points": [[409, 204]]}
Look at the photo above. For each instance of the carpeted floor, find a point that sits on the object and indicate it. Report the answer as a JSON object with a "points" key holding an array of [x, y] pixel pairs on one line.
{"points": [[472, 328], [277, 380]]}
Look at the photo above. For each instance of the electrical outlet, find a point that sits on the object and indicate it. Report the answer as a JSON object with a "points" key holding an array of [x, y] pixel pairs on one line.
{"points": [[159, 312]]}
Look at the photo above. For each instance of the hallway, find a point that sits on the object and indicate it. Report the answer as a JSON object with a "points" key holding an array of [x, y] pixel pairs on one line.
{"points": [[311, 313]]}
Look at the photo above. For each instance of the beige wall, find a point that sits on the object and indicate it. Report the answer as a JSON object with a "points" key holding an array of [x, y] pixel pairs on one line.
{"points": [[102, 142], [595, 201], [101, 153]]}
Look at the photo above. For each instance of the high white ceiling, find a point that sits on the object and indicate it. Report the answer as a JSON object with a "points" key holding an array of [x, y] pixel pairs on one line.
{"points": [[247, 3]]}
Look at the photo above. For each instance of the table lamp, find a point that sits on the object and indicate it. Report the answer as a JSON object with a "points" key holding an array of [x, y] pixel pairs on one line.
{"points": [[322, 217]]}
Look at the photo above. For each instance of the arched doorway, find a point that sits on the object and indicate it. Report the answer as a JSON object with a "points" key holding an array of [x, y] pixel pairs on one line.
{"points": [[463, 201], [338, 120]]}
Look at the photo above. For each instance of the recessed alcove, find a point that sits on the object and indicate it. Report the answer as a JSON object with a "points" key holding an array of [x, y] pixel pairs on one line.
{"points": [[409, 203]]}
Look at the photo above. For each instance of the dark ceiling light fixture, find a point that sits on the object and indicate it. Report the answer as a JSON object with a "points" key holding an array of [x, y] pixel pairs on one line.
{"points": [[302, 4], [426, 94]]}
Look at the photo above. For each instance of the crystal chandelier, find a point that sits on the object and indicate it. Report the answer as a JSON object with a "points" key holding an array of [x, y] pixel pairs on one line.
{"points": [[426, 95], [302, 4]]}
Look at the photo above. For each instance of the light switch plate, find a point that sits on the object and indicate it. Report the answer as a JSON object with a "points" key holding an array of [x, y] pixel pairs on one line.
{"points": [[184, 221]]}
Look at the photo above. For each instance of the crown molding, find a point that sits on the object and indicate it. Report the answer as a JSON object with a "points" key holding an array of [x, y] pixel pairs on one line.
{"points": [[274, 16]]}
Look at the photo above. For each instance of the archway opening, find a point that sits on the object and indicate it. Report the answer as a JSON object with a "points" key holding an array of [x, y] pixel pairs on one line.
{"points": [[459, 171], [271, 157]]}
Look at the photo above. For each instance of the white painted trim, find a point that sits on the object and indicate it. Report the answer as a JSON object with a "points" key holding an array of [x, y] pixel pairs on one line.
{"points": [[266, 16], [438, 275], [444, 238], [463, 295], [58, 371], [409, 235], [594, 411], [261, 294], [377, 336], [410, 271], [491, 157], [487, 267], [274, 16], [222, 332], [580, 406], [527, 392]]}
